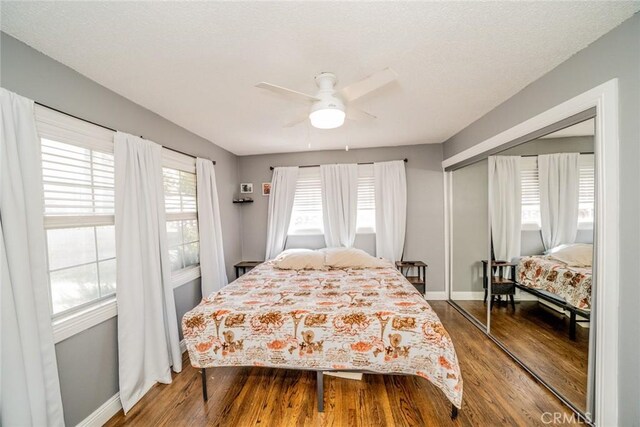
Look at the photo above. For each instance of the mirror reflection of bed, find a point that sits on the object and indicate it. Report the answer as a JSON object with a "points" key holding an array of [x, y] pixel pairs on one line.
{"points": [[541, 197]]}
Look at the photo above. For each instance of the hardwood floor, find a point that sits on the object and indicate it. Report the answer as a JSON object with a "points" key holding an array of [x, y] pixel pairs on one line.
{"points": [[496, 392], [539, 336]]}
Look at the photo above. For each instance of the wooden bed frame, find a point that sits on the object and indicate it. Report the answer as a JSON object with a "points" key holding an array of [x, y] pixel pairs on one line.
{"points": [[573, 311], [319, 387]]}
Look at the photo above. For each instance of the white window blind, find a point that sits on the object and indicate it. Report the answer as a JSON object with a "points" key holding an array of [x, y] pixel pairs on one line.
{"points": [[530, 192], [77, 181], [306, 215], [366, 222], [586, 199], [179, 194]]}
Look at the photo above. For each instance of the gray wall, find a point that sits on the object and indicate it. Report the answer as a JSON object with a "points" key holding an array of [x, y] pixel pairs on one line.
{"points": [[470, 221], [425, 218], [29, 73], [88, 370], [572, 144], [615, 55], [531, 241], [88, 362]]}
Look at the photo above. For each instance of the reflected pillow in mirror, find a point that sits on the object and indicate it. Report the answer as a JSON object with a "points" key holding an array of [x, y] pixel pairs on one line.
{"points": [[574, 255]]}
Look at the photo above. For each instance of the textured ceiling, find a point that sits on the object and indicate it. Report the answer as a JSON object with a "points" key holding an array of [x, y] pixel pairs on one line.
{"points": [[196, 63]]}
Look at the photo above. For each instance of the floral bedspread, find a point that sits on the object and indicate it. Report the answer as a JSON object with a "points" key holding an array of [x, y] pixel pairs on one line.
{"points": [[335, 319], [573, 284]]}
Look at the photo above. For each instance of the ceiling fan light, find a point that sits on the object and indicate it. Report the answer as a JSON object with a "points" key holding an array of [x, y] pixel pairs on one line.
{"points": [[327, 118]]}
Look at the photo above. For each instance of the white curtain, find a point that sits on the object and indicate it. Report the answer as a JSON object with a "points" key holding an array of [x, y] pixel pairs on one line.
{"points": [[339, 204], [29, 385], [559, 180], [283, 191], [148, 343], [505, 205], [390, 183], [212, 267]]}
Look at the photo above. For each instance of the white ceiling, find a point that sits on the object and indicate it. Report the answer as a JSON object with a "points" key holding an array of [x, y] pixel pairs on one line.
{"points": [[196, 63]]}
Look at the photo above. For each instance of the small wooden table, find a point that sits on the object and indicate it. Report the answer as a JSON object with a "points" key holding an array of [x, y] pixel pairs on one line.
{"points": [[419, 281], [245, 266], [499, 284]]}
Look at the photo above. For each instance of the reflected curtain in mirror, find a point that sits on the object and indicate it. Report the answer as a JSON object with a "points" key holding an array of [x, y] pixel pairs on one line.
{"points": [[505, 206]]}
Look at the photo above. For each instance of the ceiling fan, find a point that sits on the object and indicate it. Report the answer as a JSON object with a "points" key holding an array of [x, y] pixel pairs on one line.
{"points": [[329, 107]]}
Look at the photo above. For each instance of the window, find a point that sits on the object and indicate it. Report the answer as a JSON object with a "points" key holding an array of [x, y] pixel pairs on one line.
{"points": [[531, 192], [306, 215], [366, 222], [586, 198], [181, 211], [78, 184]]}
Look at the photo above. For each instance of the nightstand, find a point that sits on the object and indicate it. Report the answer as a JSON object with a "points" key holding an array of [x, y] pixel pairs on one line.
{"points": [[245, 266], [419, 281], [499, 284]]}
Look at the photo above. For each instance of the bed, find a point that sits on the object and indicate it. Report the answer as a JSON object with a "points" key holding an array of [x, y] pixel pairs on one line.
{"points": [[335, 319], [566, 286]]}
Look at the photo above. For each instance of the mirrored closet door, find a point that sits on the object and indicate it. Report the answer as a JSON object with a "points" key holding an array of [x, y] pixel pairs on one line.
{"points": [[530, 243], [469, 239]]}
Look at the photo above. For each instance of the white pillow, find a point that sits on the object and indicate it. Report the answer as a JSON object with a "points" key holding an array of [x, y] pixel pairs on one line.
{"points": [[574, 255], [299, 259], [351, 258]]}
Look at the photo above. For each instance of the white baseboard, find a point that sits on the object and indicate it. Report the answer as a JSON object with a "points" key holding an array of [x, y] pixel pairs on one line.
{"points": [[104, 413], [111, 407], [436, 296], [467, 296]]}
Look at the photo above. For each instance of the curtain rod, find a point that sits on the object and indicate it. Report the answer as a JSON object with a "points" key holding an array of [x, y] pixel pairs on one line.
{"points": [[536, 155], [317, 166], [107, 127]]}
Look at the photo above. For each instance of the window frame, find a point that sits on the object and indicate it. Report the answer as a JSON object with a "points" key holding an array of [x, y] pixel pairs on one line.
{"points": [[365, 174], [63, 128], [309, 174], [182, 162]]}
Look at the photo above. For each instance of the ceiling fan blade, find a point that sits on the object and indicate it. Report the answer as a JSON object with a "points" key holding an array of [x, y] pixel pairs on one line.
{"points": [[356, 114], [369, 84], [296, 122], [288, 93]]}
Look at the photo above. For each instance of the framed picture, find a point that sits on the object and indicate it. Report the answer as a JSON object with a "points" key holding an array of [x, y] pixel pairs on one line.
{"points": [[246, 187], [266, 188]]}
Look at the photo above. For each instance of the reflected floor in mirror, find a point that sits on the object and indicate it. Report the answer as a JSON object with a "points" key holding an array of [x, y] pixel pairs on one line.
{"points": [[539, 337]]}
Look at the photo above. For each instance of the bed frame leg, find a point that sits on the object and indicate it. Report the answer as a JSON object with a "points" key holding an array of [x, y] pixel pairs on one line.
{"points": [[454, 412], [204, 384], [572, 325], [320, 390]]}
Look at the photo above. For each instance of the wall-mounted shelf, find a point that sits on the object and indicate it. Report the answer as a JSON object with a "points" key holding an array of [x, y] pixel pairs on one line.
{"points": [[243, 201]]}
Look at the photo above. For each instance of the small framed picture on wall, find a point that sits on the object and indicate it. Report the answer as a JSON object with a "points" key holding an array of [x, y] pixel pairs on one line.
{"points": [[246, 188], [266, 188]]}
